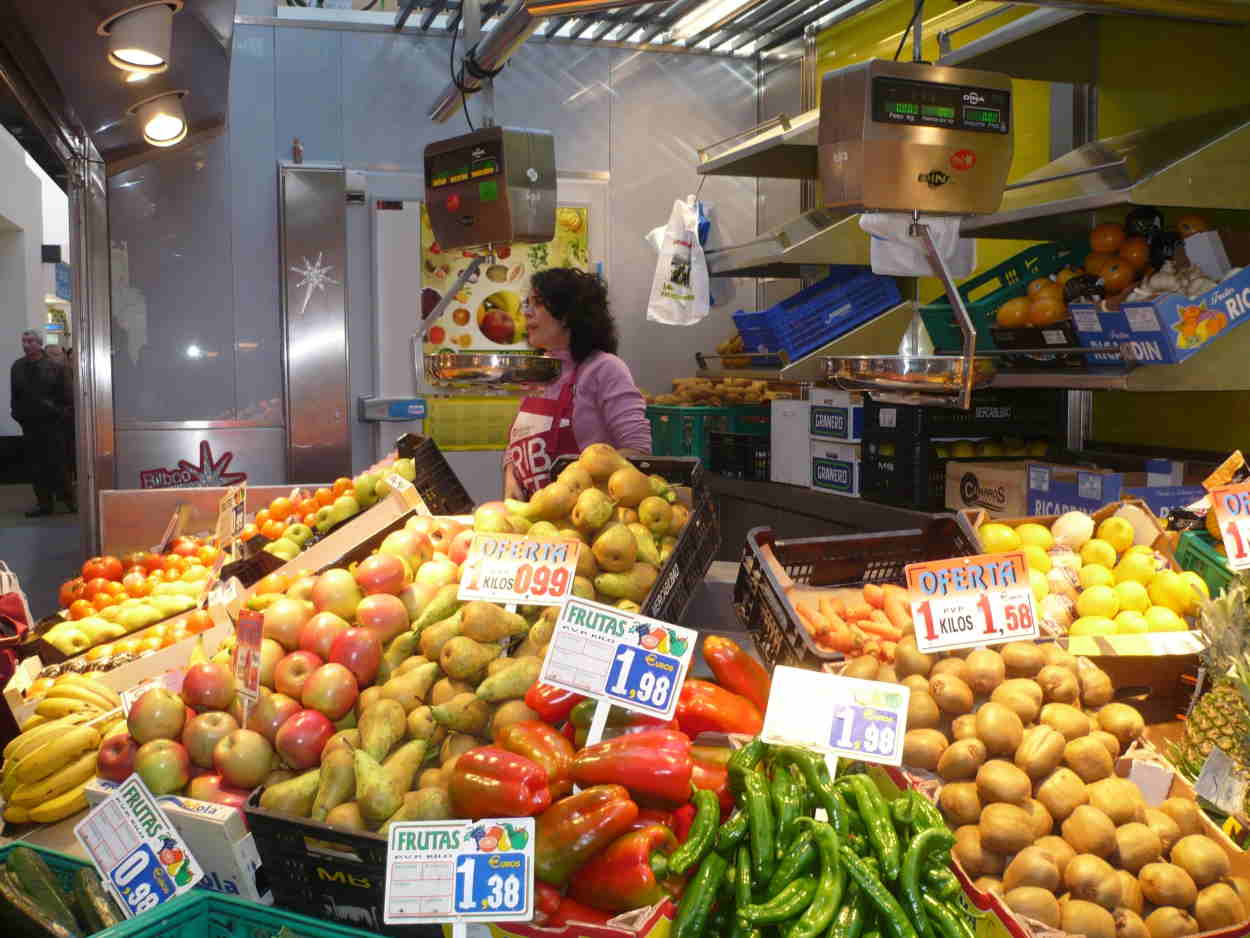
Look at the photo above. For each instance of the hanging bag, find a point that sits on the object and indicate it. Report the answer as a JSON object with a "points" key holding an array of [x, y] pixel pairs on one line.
{"points": [[679, 290]]}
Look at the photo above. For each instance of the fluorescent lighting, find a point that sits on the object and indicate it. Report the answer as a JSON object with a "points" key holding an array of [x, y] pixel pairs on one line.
{"points": [[132, 77], [193, 351], [576, 7], [713, 13], [139, 37], [162, 118]]}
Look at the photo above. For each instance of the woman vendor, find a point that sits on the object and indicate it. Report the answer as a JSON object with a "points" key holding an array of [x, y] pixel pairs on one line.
{"points": [[594, 400]]}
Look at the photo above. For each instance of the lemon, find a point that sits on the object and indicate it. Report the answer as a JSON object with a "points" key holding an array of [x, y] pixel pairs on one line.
{"points": [[1039, 584], [1095, 574], [1118, 532], [1135, 566], [1145, 549], [997, 538], [1100, 552], [1166, 588], [1032, 533], [1098, 601], [1196, 583], [1036, 558], [1133, 596], [1092, 625], [1131, 622], [1163, 619]]}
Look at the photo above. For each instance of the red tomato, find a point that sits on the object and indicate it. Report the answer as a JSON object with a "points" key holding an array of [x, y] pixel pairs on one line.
{"points": [[109, 568], [184, 546], [153, 562], [116, 588], [70, 591], [94, 587], [137, 584]]}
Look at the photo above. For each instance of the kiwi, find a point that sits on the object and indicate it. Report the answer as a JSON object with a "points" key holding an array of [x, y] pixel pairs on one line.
{"points": [[1000, 728], [1061, 792], [1058, 849], [1117, 798], [985, 671], [1085, 918], [1170, 922], [999, 780], [952, 693], [1166, 828], [960, 762], [1092, 879], [1129, 924], [1088, 830], [1022, 659], [922, 711], [1167, 884], [1136, 845], [1184, 813], [964, 727], [1035, 903], [972, 854], [1218, 906], [1121, 721], [1040, 751], [1058, 684], [1200, 857], [1005, 828], [1130, 891], [923, 748], [1032, 866], [1066, 719], [1039, 817], [1088, 758], [960, 803]]}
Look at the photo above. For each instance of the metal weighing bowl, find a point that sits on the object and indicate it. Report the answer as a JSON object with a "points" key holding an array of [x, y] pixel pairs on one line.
{"points": [[491, 370], [919, 374]]}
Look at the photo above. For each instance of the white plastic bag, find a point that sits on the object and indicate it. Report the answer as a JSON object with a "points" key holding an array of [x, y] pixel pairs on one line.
{"points": [[896, 253], [679, 290]]}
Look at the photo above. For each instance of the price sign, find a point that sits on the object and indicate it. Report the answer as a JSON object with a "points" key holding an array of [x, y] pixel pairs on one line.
{"points": [[1231, 504], [513, 568], [842, 716], [139, 854], [231, 514], [618, 657], [455, 871], [967, 601], [247, 657]]}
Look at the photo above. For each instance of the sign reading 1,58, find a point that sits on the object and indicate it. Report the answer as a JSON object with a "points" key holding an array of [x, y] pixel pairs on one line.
{"points": [[962, 602], [1231, 505]]}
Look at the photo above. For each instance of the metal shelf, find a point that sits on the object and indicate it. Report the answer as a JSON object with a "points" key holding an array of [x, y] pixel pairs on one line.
{"points": [[781, 148], [804, 247]]}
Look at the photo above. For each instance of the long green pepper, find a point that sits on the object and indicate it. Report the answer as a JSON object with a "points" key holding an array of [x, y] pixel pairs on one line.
{"points": [[895, 919], [787, 808], [763, 837], [829, 889], [702, 833], [816, 774], [849, 921], [733, 831], [743, 762], [807, 800], [800, 857], [944, 921], [696, 901], [876, 815], [787, 904], [924, 813], [742, 895], [923, 846]]}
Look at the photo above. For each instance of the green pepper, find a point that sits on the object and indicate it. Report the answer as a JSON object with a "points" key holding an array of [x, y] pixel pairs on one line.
{"points": [[816, 774], [696, 901], [763, 838], [800, 857], [901, 813], [702, 833], [787, 807], [807, 801], [942, 918], [896, 921], [876, 815], [832, 884], [733, 831], [924, 813], [964, 920], [742, 895], [849, 921], [854, 824], [787, 904], [923, 845], [743, 762], [943, 882]]}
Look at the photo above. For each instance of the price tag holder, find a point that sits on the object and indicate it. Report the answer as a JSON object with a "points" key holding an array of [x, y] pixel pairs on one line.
{"points": [[840, 716], [460, 871], [513, 568], [619, 657], [231, 515], [964, 602], [1231, 504], [138, 852], [248, 632]]}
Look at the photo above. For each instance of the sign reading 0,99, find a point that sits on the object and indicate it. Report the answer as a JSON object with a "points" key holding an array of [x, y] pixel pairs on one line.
{"points": [[513, 568]]}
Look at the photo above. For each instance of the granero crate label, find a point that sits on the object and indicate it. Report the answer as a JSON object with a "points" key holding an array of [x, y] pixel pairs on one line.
{"points": [[513, 568], [963, 602]]}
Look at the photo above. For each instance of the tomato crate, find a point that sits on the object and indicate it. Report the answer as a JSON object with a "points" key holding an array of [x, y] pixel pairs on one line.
{"points": [[739, 456], [210, 915], [1196, 551], [771, 567], [437, 483]]}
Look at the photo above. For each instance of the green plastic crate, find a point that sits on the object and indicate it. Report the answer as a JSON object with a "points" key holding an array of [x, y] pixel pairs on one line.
{"points": [[681, 430], [1196, 551], [62, 865], [984, 293], [201, 914]]}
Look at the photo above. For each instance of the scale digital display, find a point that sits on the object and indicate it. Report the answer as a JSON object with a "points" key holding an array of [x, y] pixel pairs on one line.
{"points": [[928, 104]]}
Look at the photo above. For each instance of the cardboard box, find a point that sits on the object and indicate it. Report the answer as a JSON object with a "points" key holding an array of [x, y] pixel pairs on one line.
{"points": [[836, 415], [835, 468], [788, 435]]}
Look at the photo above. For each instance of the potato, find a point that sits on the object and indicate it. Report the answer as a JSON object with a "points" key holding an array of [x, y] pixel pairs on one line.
{"points": [[988, 884], [1218, 906], [960, 803], [999, 780], [973, 855], [923, 748], [1163, 826], [1058, 849], [1094, 683], [1185, 813], [1066, 719], [1022, 659], [956, 667], [1035, 903], [1088, 830], [1040, 751], [922, 711], [1091, 879], [1129, 924], [917, 684], [1005, 828], [1039, 817], [1061, 792], [985, 671], [1130, 891], [1200, 857], [1088, 758], [1058, 657], [1241, 886], [1109, 742], [952, 694], [909, 660], [1136, 845], [1121, 721], [1032, 866], [1167, 884], [865, 667], [1085, 918], [1170, 923], [960, 762]]}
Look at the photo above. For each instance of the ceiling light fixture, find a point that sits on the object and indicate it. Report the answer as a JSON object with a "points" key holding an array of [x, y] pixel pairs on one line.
{"points": [[140, 36], [577, 7], [162, 118], [708, 15]]}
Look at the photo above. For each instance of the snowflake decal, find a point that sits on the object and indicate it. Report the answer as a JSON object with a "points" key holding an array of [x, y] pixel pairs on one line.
{"points": [[314, 276]]}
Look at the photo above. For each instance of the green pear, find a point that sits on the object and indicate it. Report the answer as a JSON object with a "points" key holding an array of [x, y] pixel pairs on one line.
{"points": [[337, 784], [410, 690], [584, 588], [648, 552], [615, 548], [628, 605], [427, 804], [348, 740], [599, 461], [660, 486], [527, 510], [439, 634], [422, 725], [324, 520], [377, 794], [406, 468], [512, 711], [382, 725], [367, 488], [284, 549], [511, 682], [346, 817], [294, 796], [446, 689], [656, 515], [487, 622], [444, 604], [542, 630], [397, 653], [464, 713], [667, 546], [543, 529], [409, 664], [553, 501], [518, 524], [587, 566], [634, 584], [592, 511], [404, 763], [464, 659], [681, 516]]}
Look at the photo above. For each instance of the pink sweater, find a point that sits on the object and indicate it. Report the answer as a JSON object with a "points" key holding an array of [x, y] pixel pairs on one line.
{"points": [[607, 407]]}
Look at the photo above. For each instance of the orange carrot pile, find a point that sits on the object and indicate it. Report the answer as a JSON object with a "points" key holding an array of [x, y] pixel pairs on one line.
{"points": [[867, 621]]}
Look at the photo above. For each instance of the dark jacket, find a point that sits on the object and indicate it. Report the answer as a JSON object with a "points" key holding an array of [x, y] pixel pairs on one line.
{"points": [[39, 390]]}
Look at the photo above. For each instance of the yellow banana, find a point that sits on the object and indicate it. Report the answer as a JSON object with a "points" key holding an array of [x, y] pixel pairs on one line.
{"points": [[110, 729], [53, 707], [61, 807], [81, 692], [54, 755], [33, 721], [59, 782], [26, 743], [91, 684], [9, 783], [15, 815]]}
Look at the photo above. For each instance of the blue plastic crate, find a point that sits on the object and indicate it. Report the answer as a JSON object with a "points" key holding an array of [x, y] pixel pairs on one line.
{"points": [[829, 309], [757, 334]]}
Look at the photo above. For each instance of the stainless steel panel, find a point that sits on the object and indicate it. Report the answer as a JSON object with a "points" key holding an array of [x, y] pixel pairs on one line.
{"points": [[308, 92], [314, 259], [362, 367], [259, 452]]}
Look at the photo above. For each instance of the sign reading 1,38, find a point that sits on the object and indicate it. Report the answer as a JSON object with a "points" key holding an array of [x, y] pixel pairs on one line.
{"points": [[967, 601], [1231, 504]]}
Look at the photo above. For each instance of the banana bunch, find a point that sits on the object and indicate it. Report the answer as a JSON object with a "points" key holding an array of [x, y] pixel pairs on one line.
{"points": [[47, 767]]}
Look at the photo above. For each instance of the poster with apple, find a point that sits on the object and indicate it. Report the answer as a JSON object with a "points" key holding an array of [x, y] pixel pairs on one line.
{"points": [[486, 314]]}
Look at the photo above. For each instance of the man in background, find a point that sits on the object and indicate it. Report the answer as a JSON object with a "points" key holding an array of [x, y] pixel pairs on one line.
{"points": [[41, 404]]}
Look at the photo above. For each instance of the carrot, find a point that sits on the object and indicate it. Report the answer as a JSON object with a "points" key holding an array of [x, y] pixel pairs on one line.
{"points": [[832, 608], [891, 589], [887, 651], [899, 613], [886, 631], [857, 611], [814, 619], [874, 595]]}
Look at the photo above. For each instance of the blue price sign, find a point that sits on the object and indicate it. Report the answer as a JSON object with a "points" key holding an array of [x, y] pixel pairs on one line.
{"points": [[142, 881], [871, 731], [492, 883], [643, 678]]}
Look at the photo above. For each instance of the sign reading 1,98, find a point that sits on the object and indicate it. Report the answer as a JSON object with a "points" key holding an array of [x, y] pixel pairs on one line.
{"points": [[967, 601], [1231, 504], [513, 568]]}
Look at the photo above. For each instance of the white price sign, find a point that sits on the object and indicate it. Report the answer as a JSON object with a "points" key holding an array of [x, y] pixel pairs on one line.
{"points": [[248, 631], [513, 568], [964, 602], [231, 514], [171, 681], [1231, 504], [619, 657], [457, 871], [138, 852]]}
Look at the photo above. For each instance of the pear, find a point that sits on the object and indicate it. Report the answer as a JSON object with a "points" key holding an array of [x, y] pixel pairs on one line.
{"points": [[648, 552], [407, 469], [625, 515], [660, 486], [294, 796], [382, 725], [576, 478], [615, 548], [346, 817], [348, 721], [518, 524], [444, 603], [456, 745], [446, 689], [366, 488], [464, 659], [511, 682], [629, 486], [587, 566], [634, 584], [599, 461], [553, 501], [628, 605], [487, 622], [464, 713], [514, 711], [524, 509], [430, 804], [409, 664], [543, 529], [411, 689], [488, 520], [584, 588], [667, 546], [403, 764], [398, 653], [422, 725], [377, 793], [499, 664], [656, 514], [681, 514], [543, 629], [337, 784], [436, 636], [592, 511], [343, 739]]}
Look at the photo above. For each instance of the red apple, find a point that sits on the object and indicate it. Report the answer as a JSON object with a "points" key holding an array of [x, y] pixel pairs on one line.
{"points": [[331, 690], [158, 714], [382, 573], [459, 548], [319, 633], [202, 734], [445, 531], [411, 545], [360, 650], [163, 765], [293, 670], [214, 788], [243, 758], [283, 620], [116, 758], [384, 615], [437, 572], [336, 591], [302, 588], [301, 739], [208, 686], [492, 518], [270, 712]]}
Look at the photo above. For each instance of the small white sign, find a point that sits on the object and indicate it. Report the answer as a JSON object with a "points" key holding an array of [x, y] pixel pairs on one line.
{"points": [[964, 602], [1220, 783], [231, 514], [513, 568], [131, 694]]}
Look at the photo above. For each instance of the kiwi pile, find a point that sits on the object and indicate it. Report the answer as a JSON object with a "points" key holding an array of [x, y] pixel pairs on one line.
{"points": [[1024, 738]]}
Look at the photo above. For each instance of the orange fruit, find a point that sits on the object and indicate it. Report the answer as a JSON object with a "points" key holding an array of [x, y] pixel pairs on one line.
{"points": [[310, 519], [280, 508], [1095, 262], [249, 531], [103, 600], [1107, 238], [1136, 251], [272, 529], [1038, 284], [1045, 310], [1014, 313], [1191, 225], [324, 497], [342, 485], [1118, 276], [81, 608], [198, 621], [263, 517]]}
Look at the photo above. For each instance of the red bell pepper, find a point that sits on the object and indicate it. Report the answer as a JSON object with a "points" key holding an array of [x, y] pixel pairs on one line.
{"points": [[704, 707], [683, 817], [551, 703], [652, 764], [575, 828], [543, 744], [571, 912], [737, 670], [492, 782], [621, 877], [648, 816], [712, 777], [547, 900]]}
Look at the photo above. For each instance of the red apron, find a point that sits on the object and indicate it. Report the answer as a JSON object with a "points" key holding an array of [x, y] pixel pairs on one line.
{"points": [[542, 431]]}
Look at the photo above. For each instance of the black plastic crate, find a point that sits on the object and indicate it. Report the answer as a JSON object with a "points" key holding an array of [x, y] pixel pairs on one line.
{"points": [[760, 598], [1030, 414], [738, 456], [436, 481]]}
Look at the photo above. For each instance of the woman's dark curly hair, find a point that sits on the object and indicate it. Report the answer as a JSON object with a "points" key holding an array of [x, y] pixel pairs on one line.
{"points": [[580, 301]]}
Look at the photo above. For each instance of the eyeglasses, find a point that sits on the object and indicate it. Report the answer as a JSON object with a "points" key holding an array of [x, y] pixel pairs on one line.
{"points": [[529, 304]]}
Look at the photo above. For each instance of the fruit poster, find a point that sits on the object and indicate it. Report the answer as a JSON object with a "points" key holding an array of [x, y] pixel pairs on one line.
{"points": [[486, 315]]}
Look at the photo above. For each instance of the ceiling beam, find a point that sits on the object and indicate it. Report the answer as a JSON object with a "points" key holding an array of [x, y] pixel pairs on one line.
{"points": [[795, 28], [431, 13]]}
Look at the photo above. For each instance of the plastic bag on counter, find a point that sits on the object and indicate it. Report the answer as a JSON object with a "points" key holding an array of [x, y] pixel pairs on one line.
{"points": [[679, 290]]}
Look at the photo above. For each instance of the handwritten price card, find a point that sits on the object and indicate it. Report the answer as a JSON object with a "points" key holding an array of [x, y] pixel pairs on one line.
{"points": [[1231, 504], [513, 568], [968, 601]]}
